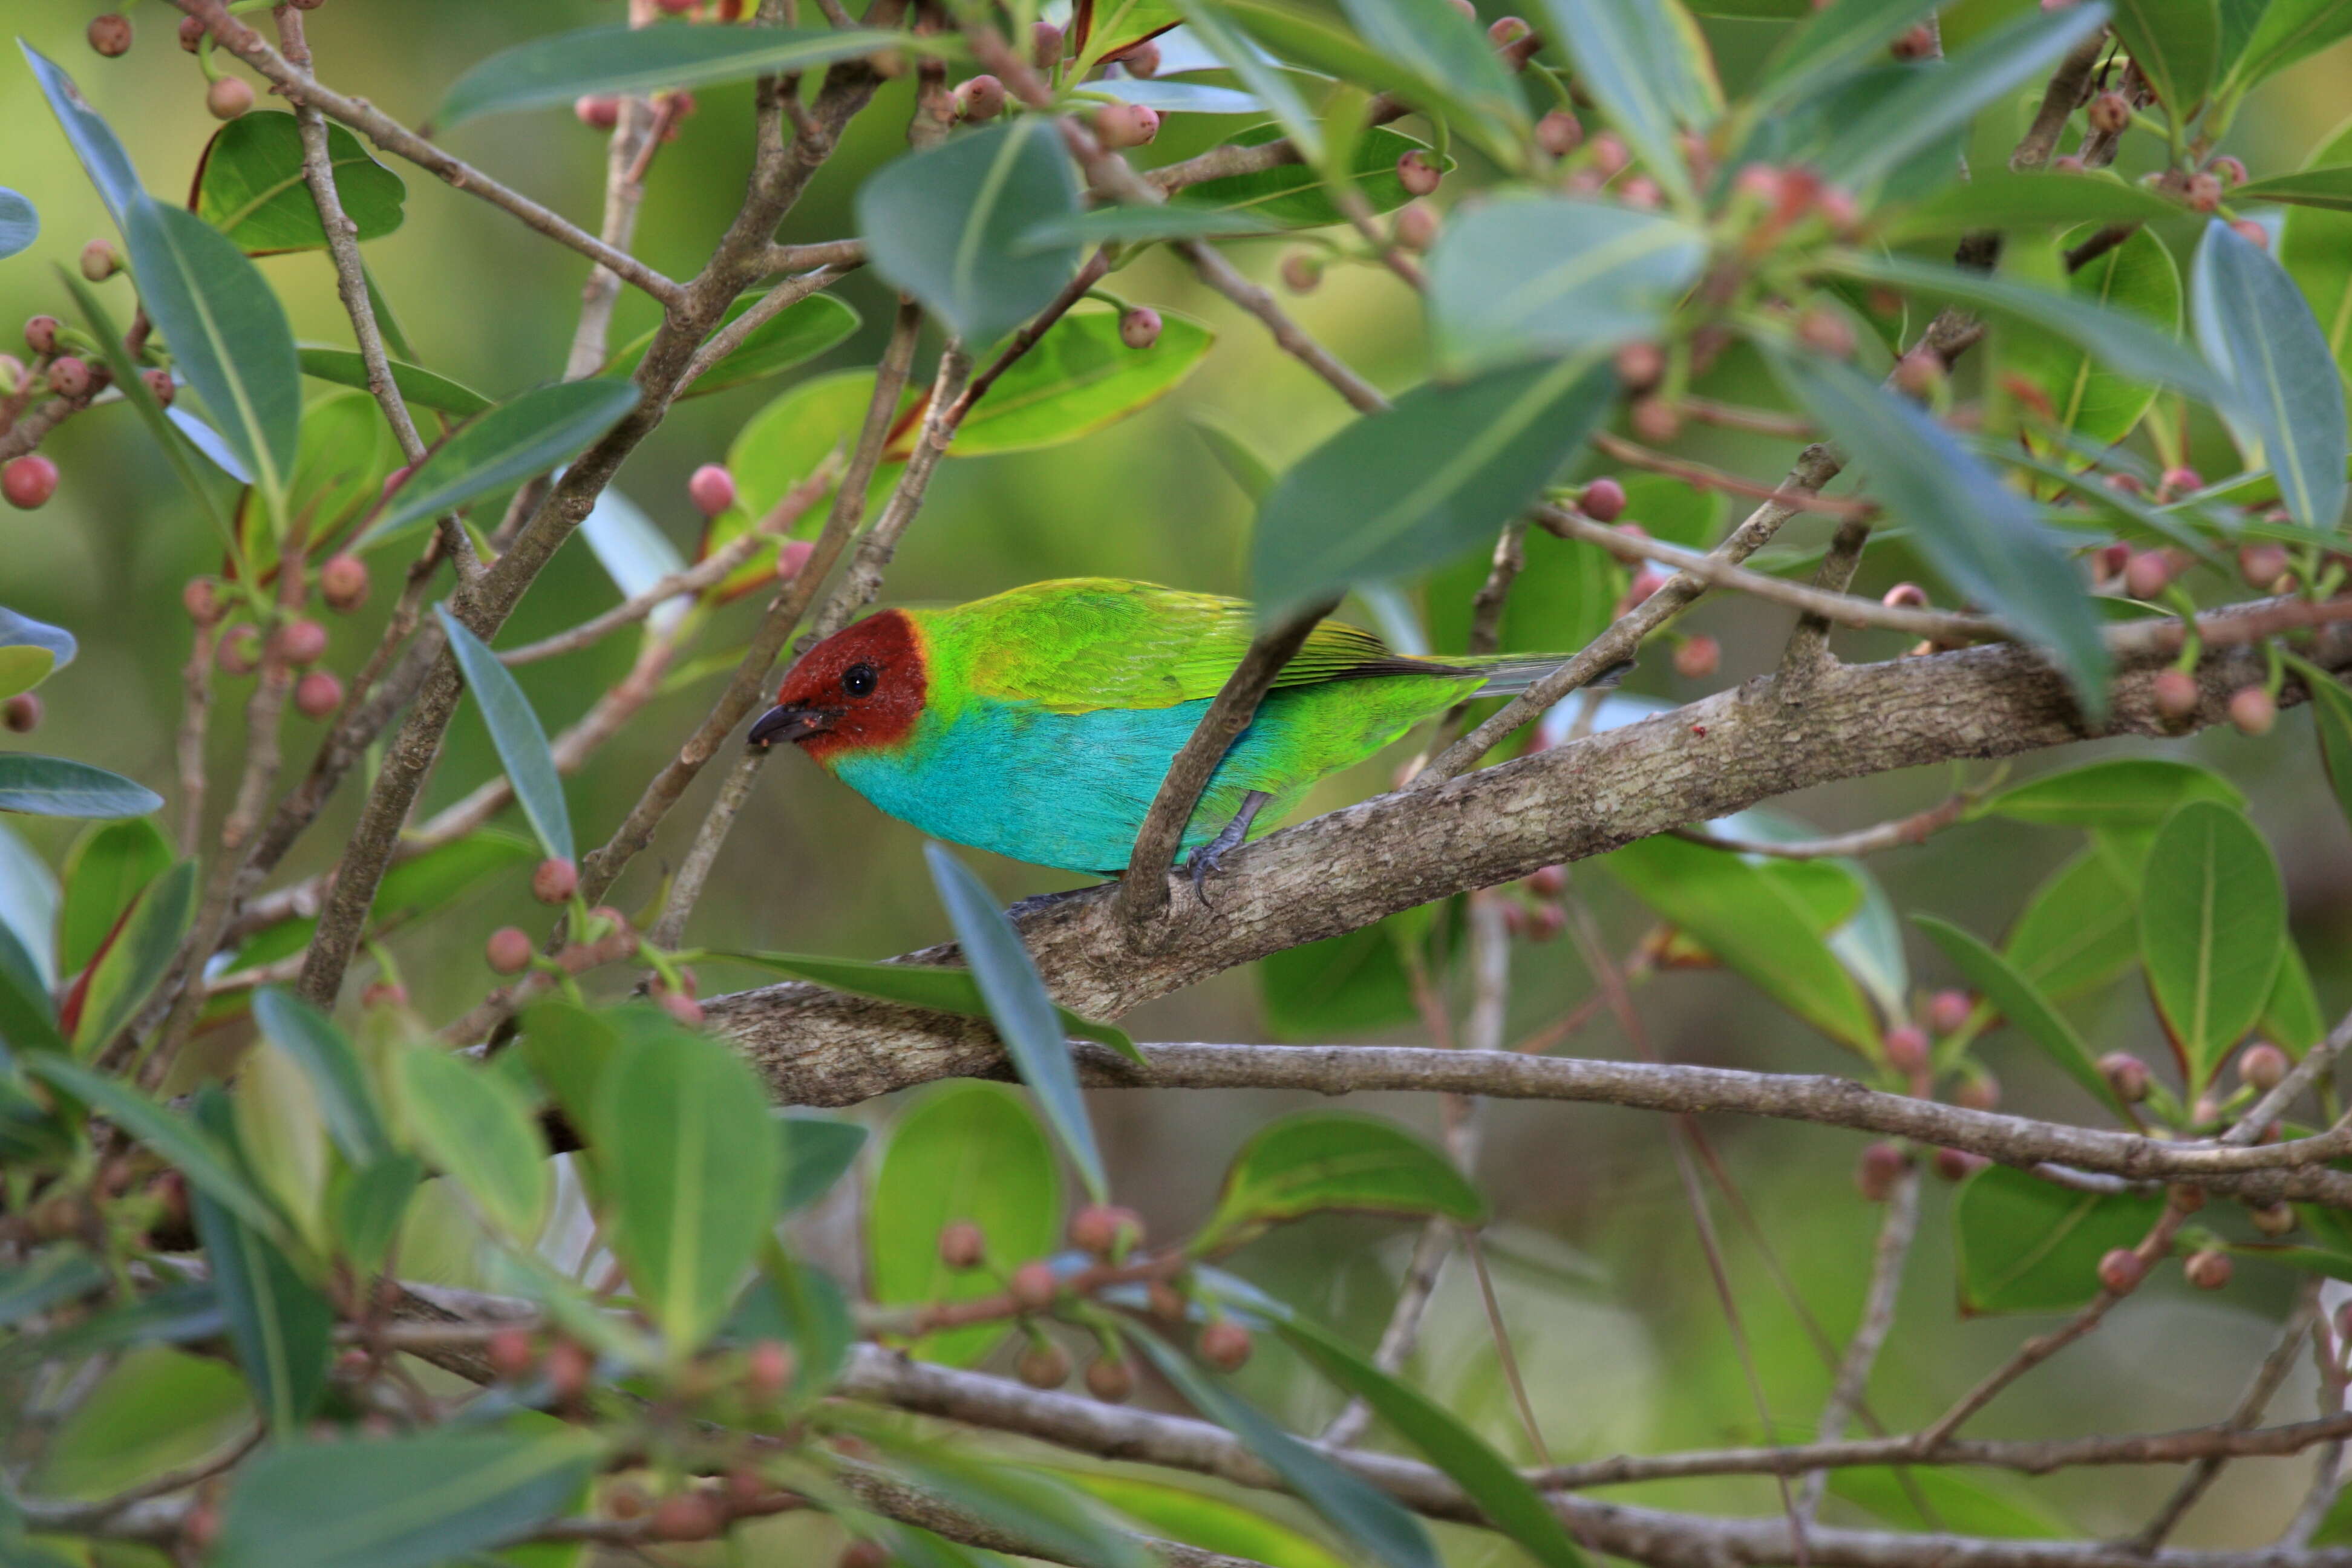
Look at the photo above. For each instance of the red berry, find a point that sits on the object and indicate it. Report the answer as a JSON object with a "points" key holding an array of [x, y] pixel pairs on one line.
{"points": [[21, 714], [2261, 564], [1139, 328], [711, 489], [768, 1369], [2176, 692], [28, 481], [1877, 1172], [1095, 1229], [41, 335], [596, 110], [1418, 173], [2209, 1269], [555, 880], [1415, 226], [1225, 1345], [2262, 1065], [2127, 1075], [202, 599], [343, 582], [301, 642], [2109, 112], [791, 557], [1646, 581], [99, 260], [2121, 1270], [2147, 575], [192, 33], [1112, 1382], [963, 1245], [511, 1354], [1699, 658], [979, 97], [1560, 133], [111, 34], [2253, 710], [1045, 44], [508, 949], [1907, 1048], [318, 694], [1609, 155], [160, 385], [1603, 500], [228, 97], [2252, 233], [1043, 1365], [1033, 1287], [240, 651], [69, 376], [1948, 1011], [1143, 60]]}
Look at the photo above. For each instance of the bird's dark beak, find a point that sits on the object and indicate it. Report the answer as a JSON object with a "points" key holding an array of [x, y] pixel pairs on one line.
{"points": [[791, 722]]}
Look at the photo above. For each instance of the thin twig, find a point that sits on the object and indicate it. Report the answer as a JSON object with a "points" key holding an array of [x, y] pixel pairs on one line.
{"points": [[195, 719], [1219, 274], [1706, 477], [1846, 1393], [771, 305], [2327, 1474], [1914, 828]]}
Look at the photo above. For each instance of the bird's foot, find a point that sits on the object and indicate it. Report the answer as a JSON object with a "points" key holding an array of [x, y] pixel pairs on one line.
{"points": [[1204, 860]]}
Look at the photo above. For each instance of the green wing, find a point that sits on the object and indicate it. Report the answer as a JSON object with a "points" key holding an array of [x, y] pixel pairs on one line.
{"points": [[1085, 643]]}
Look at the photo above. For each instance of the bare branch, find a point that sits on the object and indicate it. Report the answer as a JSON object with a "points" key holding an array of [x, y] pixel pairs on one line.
{"points": [[1893, 1249], [1912, 829], [2283, 1352]]}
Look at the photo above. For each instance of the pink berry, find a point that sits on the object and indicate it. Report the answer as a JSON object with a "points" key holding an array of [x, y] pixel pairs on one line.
{"points": [[1143, 60], [2253, 710], [394, 480], [1878, 1169], [384, 994], [160, 385], [508, 949], [2252, 233], [1915, 44], [1547, 882], [202, 599], [963, 1245], [1826, 331], [28, 481], [555, 880], [682, 1009], [1646, 581], [2261, 564], [1415, 226], [598, 112], [318, 694], [1919, 373], [768, 1367], [1655, 419], [1603, 500], [2209, 1269], [1699, 658], [1640, 367], [21, 713], [979, 97], [2127, 1075], [2147, 575], [1948, 1012], [343, 582], [2069, 163], [1225, 1345], [2109, 112], [100, 260], [1560, 133], [2262, 1065], [1905, 597], [1958, 1164], [111, 34], [2179, 482], [301, 642], [1504, 31], [69, 376], [1139, 328], [1045, 44], [1981, 1092], [240, 651], [792, 556], [192, 33], [711, 489], [2176, 692], [1907, 1048], [1032, 1287], [1120, 125], [1418, 173], [41, 335], [228, 97], [2121, 1270], [1301, 271], [2204, 191]]}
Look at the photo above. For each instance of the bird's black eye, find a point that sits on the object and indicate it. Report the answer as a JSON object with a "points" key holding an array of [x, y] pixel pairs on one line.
{"points": [[858, 679]]}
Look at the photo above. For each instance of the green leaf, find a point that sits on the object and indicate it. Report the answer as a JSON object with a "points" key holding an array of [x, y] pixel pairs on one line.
{"points": [[2079, 931], [2256, 331], [967, 1151], [421, 388], [2331, 723], [133, 963], [20, 225], [1032, 1506], [29, 1020], [2291, 1015], [1984, 538], [1209, 26], [250, 186], [1995, 198], [1450, 54], [63, 1273], [346, 1099], [1316, 1161], [106, 869], [2315, 246], [1925, 1498], [1535, 277], [1445, 467], [282, 1328], [157, 1410], [2330, 189], [946, 226], [2017, 999], [568, 1048], [346, 453], [639, 60], [1024, 1016], [1123, 224], [2025, 1244], [2092, 402], [516, 731], [782, 445], [1078, 379], [227, 334], [2176, 45], [1344, 985], [477, 1128], [1834, 41], [399, 1503], [1646, 66], [93, 141], [30, 651], [816, 1152], [803, 1308], [526, 435], [1941, 98], [2125, 792], [793, 335], [1200, 1519], [410, 888], [940, 989], [367, 1205], [1293, 195], [2288, 31], [1509, 1503], [1369, 1518], [52, 786], [2212, 925], [1752, 925], [689, 1165]]}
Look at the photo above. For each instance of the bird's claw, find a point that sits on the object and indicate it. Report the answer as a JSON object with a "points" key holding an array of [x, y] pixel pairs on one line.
{"points": [[1200, 864]]}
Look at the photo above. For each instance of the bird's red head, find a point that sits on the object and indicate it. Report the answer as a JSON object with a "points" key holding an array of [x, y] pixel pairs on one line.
{"points": [[862, 687]]}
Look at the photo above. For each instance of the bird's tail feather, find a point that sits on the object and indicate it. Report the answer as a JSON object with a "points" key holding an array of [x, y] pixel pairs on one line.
{"points": [[1507, 675]]}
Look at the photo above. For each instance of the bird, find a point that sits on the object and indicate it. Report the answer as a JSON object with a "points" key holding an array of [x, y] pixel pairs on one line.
{"points": [[1038, 723]]}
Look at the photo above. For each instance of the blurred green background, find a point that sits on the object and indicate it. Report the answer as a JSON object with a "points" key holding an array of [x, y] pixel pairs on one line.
{"points": [[1600, 1279]]}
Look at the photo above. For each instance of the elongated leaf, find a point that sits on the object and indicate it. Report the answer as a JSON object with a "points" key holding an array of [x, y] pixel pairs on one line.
{"points": [[20, 225], [2330, 189], [516, 731], [966, 1153], [2018, 1001], [1319, 1160], [1443, 468], [2079, 931], [399, 1503], [2123, 792], [1203, 1520], [1984, 537], [1024, 1015], [345, 1097], [417, 385], [133, 964], [1293, 195], [1835, 40], [30, 651], [2176, 45], [1942, 97], [1937, 1499], [29, 1020], [227, 334], [526, 435], [249, 186], [283, 1329], [1451, 54], [2212, 927], [2089, 400], [1995, 198], [1501, 1494], [817, 1151], [165, 425], [346, 454], [1645, 63], [2287, 31], [1078, 379], [1142, 226], [940, 989], [1171, 96], [2026, 1245], [635, 554], [689, 1164], [206, 1164], [52, 786], [2331, 720], [103, 158], [1363, 980], [798, 332], [2256, 331], [1064, 1525], [108, 867], [1369, 1518], [478, 1127], [2119, 337], [60, 1274], [1208, 25], [640, 61], [1541, 276], [1750, 922], [947, 225], [2290, 1016]]}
